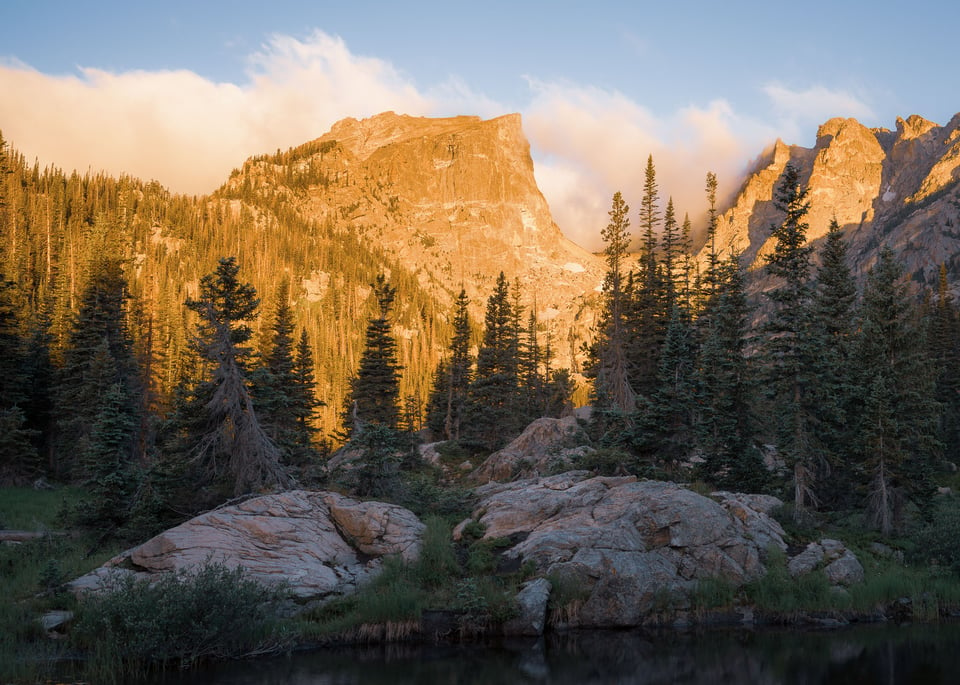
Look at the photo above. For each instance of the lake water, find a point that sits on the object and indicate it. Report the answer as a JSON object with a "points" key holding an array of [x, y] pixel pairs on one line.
{"points": [[882, 654]]}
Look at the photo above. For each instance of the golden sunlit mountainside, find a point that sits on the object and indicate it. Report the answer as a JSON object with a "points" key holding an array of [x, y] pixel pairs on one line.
{"points": [[897, 189], [437, 204]]}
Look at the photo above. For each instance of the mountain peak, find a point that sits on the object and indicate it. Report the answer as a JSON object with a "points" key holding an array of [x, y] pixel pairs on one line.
{"points": [[900, 190]]}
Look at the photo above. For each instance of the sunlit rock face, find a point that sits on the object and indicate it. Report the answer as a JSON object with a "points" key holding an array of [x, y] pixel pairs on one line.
{"points": [[456, 202], [899, 189]]}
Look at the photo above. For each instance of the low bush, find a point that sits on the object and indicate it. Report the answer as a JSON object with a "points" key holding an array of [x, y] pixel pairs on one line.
{"points": [[213, 612]]}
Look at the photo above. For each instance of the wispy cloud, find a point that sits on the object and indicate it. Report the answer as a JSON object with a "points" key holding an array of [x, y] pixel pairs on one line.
{"points": [[188, 132], [799, 112], [591, 143]]}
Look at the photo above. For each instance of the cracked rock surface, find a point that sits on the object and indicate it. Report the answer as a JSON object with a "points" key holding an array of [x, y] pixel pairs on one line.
{"points": [[319, 544]]}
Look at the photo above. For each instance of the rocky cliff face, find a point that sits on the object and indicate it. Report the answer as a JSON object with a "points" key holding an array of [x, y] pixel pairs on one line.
{"points": [[899, 189], [455, 200]]}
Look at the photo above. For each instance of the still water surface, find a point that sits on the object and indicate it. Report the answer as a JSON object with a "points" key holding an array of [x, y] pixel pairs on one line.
{"points": [[882, 654]]}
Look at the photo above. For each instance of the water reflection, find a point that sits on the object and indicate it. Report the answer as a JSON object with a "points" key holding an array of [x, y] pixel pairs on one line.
{"points": [[886, 655]]}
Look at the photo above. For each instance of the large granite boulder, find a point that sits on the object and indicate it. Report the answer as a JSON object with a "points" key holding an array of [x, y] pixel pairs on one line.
{"points": [[317, 544], [627, 543], [545, 446]]}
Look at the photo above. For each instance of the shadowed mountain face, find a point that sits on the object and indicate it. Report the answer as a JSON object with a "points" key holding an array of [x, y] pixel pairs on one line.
{"points": [[453, 200], [899, 189]]}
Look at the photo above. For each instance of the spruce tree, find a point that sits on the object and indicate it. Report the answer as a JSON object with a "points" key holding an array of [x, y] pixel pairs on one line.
{"points": [[647, 313], [789, 348], [274, 380], [449, 395], [898, 423], [304, 401], [492, 416], [943, 344], [725, 426], [216, 426], [665, 423], [98, 354], [375, 390], [832, 326]]}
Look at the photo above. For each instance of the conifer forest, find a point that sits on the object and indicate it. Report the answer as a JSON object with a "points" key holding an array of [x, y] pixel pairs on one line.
{"points": [[162, 352]]}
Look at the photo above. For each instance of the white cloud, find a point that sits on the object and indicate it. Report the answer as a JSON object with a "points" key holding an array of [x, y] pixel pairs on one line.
{"points": [[591, 143], [189, 132], [801, 111]]}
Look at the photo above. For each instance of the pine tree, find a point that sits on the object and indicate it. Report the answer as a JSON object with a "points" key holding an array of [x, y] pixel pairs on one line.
{"points": [[832, 325], [18, 455], [724, 385], [274, 380], [112, 476], [216, 425], [304, 401], [665, 425], [99, 354], [943, 342], [898, 422], [647, 314], [790, 357], [612, 391], [449, 396], [375, 390], [492, 416]]}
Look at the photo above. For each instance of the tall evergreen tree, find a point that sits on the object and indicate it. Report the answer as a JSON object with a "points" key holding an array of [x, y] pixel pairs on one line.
{"points": [[943, 342], [613, 397], [274, 381], [898, 422], [665, 424], [832, 326], [218, 429], [375, 391], [790, 357], [648, 313], [98, 354], [304, 402], [449, 395], [724, 385], [492, 416]]}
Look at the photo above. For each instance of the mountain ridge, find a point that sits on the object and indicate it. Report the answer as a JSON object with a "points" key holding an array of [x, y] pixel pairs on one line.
{"points": [[896, 188]]}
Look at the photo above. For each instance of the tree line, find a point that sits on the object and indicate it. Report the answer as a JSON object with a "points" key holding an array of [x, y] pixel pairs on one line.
{"points": [[839, 396]]}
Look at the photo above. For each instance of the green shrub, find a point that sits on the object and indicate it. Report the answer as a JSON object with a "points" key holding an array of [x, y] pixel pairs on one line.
{"points": [[437, 562], [938, 542], [214, 612]]}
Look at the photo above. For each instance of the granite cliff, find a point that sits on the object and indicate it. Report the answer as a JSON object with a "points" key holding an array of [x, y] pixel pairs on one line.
{"points": [[899, 189], [453, 200]]}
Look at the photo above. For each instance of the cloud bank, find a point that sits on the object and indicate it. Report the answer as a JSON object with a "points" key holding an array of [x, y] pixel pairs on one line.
{"points": [[188, 132]]}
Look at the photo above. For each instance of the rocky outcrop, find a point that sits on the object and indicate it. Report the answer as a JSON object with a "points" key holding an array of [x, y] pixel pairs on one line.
{"points": [[623, 542], [545, 446], [454, 201], [899, 189], [317, 544], [839, 564]]}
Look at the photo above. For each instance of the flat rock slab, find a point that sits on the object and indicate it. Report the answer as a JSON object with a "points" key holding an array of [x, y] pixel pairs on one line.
{"points": [[317, 544]]}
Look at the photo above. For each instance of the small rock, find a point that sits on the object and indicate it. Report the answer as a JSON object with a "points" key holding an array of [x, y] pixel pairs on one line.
{"points": [[806, 561], [532, 605], [846, 570], [55, 620]]}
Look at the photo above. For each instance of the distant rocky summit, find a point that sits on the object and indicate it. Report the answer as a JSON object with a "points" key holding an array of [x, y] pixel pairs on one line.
{"points": [[896, 189]]}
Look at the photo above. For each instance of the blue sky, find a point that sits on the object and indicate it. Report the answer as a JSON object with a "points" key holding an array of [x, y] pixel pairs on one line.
{"points": [[184, 91]]}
